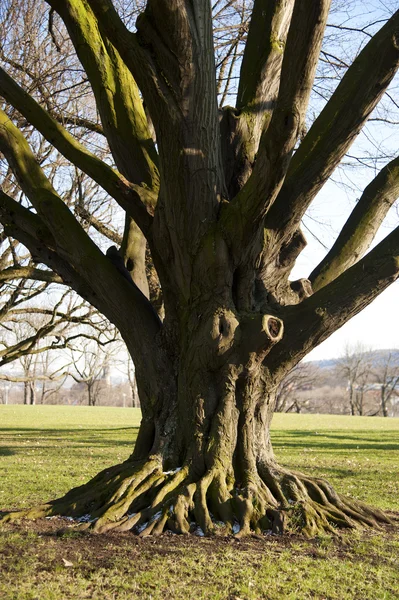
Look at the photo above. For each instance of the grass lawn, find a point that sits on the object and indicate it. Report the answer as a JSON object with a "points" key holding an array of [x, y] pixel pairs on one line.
{"points": [[44, 450]]}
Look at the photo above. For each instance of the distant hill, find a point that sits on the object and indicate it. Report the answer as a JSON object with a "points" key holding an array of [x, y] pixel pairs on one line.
{"points": [[378, 356]]}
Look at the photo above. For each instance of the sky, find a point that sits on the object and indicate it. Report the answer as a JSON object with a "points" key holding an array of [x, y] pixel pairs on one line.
{"points": [[377, 326]]}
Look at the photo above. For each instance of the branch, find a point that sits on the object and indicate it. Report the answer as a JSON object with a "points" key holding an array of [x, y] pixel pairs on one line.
{"points": [[30, 230], [136, 200], [62, 316], [15, 379], [15, 217], [98, 225], [263, 56], [27, 345], [133, 250], [338, 125], [241, 128], [78, 122], [29, 273], [297, 74], [135, 57], [68, 235], [20, 349], [117, 96], [361, 227], [317, 317]]}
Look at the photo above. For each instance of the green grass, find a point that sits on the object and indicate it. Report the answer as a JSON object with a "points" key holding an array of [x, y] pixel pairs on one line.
{"points": [[46, 450]]}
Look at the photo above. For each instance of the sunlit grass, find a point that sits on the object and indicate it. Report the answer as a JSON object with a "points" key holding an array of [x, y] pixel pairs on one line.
{"points": [[45, 450]]}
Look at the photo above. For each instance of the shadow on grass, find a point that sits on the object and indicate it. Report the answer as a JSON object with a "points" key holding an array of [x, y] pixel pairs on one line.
{"points": [[328, 473], [7, 452], [80, 437], [334, 441], [76, 430]]}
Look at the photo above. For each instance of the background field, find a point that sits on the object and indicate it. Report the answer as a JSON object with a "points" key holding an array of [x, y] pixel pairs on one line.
{"points": [[44, 450]]}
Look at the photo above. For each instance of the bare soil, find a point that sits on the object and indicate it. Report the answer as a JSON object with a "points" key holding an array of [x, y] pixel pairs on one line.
{"points": [[99, 549]]}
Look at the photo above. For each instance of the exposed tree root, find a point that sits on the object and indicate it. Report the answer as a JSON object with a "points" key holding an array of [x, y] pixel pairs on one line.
{"points": [[143, 498]]}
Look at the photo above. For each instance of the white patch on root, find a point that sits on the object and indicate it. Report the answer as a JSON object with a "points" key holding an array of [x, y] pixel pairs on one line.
{"points": [[236, 527], [173, 471], [141, 528], [85, 519], [155, 517], [218, 523]]}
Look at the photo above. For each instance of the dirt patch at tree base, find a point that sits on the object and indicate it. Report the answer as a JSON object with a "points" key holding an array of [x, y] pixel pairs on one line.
{"points": [[49, 558], [101, 547]]}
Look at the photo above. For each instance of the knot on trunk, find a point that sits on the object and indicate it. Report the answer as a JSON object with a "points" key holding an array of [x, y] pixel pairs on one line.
{"points": [[224, 328], [260, 333], [302, 288]]}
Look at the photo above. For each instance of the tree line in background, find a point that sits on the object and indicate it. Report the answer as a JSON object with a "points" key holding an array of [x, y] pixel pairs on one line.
{"points": [[360, 382]]}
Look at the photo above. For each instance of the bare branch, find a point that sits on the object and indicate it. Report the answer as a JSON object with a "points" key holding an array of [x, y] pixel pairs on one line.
{"points": [[136, 200], [338, 124], [275, 151], [98, 225], [29, 273], [361, 226]]}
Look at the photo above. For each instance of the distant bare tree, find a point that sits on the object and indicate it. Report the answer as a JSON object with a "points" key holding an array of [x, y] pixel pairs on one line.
{"points": [[37, 370], [131, 375], [300, 378], [386, 374], [25, 326], [91, 364], [355, 366]]}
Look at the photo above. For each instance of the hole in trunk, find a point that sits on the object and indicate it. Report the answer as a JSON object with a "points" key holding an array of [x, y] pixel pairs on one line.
{"points": [[223, 327], [274, 327]]}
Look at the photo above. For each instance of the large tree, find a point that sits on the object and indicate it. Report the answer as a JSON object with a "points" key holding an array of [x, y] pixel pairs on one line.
{"points": [[217, 196]]}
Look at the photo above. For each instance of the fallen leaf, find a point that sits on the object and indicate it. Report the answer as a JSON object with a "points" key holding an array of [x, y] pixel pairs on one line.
{"points": [[67, 563]]}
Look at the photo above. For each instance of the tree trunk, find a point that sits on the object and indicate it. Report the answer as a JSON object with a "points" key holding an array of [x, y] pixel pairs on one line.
{"points": [[203, 460], [351, 401], [42, 392], [91, 394], [384, 407], [359, 402], [26, 392], [32, 393], [134, 393]]}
